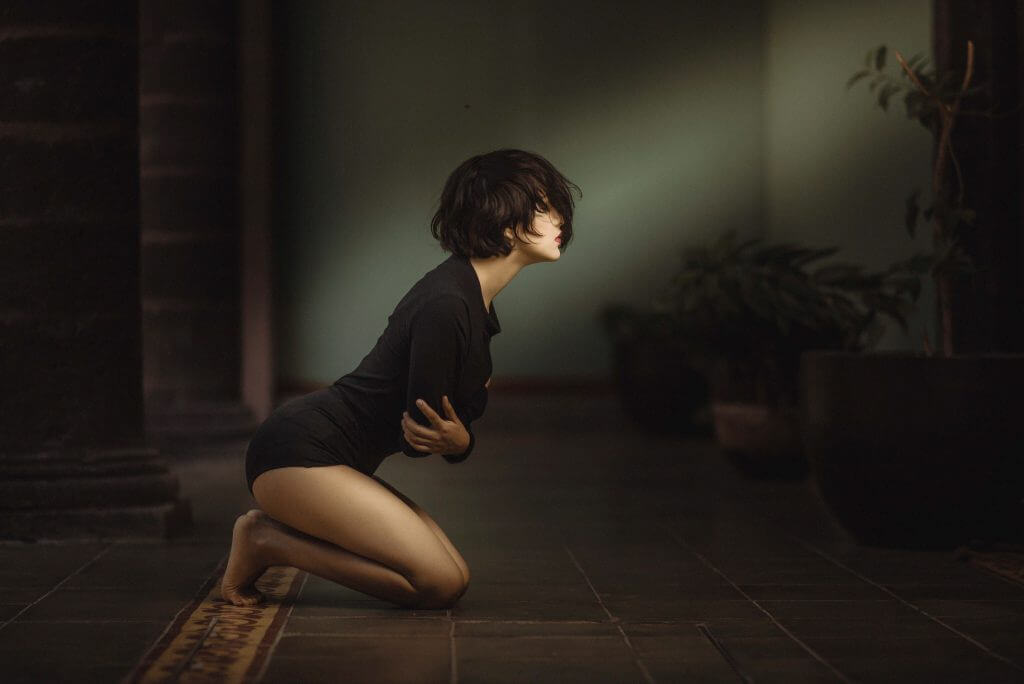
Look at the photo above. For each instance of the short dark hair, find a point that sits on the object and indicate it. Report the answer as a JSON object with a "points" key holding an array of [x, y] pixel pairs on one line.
{"points": [[490, 192]]}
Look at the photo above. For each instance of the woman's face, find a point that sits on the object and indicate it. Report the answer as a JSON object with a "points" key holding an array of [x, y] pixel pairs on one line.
{"points": [[546, 246]]}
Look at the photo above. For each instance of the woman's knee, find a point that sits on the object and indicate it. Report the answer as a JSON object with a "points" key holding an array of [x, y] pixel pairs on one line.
{"points": [[439, 585], [442, 592]]}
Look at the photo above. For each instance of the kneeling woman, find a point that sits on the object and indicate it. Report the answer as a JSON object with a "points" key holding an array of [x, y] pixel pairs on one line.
{"points": [[310, 465]]}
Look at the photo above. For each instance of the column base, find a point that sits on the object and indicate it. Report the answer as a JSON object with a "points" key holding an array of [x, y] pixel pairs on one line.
{"points": [[160, 521], [90, 493]]}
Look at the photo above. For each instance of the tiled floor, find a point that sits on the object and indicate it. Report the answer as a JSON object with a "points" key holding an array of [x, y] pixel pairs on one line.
{"points": [[598, 553]]}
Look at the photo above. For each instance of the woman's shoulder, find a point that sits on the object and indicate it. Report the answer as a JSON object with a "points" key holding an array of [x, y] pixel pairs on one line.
{"points": [[442, 306]]}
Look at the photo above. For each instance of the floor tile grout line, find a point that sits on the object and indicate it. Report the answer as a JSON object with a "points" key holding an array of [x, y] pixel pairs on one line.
{"points": [[817, 656], [729, 659], [636, 656], [384, 635], [899, 598], [296, 619], [58, 585], [453, 671], [280, 632], [462, 620], [586, 579], [97, 621], [614, 620]]}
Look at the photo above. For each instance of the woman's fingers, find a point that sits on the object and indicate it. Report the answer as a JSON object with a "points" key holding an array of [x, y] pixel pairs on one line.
{"points": [[426, 439], [417, 442], [450, 410], [430, 413], [418, 431], [419, 446]]}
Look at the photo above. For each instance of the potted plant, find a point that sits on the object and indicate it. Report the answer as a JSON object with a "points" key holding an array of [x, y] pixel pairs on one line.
{"points": [[920, 449], [747, 310], [655, 382]]}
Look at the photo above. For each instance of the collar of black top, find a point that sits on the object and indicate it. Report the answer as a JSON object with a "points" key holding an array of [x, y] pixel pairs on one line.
{"points": [[471, 281]]}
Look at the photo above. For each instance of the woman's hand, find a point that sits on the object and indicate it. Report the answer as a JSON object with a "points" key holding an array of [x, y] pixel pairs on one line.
{"points": [[445, 437]]}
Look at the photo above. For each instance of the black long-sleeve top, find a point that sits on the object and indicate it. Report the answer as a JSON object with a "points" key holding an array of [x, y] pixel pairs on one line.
{"points": [[437, 342]]}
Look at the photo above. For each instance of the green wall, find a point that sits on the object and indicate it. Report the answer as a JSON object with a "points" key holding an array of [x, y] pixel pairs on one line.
{"points": [[837, 168], [677, 119]]}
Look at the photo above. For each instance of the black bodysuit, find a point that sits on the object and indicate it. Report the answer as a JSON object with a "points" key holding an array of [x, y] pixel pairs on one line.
{"points": [[437, 342]]}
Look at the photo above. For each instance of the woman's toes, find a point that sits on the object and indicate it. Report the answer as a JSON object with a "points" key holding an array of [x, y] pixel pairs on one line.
{"points": [[241, 597]]}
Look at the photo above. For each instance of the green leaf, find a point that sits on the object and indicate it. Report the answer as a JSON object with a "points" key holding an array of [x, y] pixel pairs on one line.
{"points": [[873, 332], [745, 246], [815, 254], [917, 264], [856, 77], [906, 283], [894, 307], [911, 212], [926, 80], [880, 57], [779, 254], [838, 275], [916, 104], [887, 91]]}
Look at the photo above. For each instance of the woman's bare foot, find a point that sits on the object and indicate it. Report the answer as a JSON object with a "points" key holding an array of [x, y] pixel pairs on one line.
{"points": [[247, 560]]}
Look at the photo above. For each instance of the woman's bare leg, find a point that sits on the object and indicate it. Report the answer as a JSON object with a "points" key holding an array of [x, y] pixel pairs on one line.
{"points": [[346, 527], [432, 524]]}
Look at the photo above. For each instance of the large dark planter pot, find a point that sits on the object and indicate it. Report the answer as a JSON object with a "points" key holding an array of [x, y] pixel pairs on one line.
{"points": [[915, 452]]}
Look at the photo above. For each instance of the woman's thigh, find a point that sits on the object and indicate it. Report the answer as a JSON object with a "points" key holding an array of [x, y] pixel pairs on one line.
{"points": [[354, 511], [432, 524]]}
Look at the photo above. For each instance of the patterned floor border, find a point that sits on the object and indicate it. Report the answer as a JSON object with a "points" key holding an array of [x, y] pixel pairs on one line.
{"points": [[211, 640]]}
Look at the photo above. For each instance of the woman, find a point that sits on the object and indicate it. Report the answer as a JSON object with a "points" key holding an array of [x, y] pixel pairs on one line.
{"points": [[310, 465]]}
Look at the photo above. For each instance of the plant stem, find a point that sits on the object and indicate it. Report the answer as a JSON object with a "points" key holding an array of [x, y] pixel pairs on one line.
{"points": [[947, 113]]}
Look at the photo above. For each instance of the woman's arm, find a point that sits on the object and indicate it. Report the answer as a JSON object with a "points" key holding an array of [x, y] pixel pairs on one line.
{"points": [[437, 347]]}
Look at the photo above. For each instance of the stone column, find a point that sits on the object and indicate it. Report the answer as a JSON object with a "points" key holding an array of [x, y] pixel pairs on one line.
{"points": [[257, 63], [73, 460], [191, 247]]}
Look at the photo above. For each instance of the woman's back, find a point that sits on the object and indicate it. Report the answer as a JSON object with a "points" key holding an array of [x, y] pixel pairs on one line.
{"points": [[437, 342]]}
